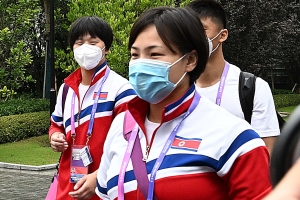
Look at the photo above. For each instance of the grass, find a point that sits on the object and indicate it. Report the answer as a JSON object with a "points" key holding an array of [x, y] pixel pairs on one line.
{"points": [[288, 109], [33, 151]]}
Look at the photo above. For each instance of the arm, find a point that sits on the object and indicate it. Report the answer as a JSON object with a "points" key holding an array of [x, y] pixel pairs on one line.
{"points": [[115, 130], [56, 130], [248, 176], [264, 118], [124, 94], [269, 141], [58, 142], [85, 188], [289, 186]]}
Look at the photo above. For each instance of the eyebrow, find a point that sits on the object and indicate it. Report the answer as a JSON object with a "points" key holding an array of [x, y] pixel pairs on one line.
{"points": [[147, 48], [89, 37]]}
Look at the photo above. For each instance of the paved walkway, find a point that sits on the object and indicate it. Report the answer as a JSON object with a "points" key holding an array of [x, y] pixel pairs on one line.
{"points": [[24, 184]]}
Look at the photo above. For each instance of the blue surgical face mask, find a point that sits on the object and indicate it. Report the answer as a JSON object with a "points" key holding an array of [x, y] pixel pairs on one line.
{"points": [[150, 79]]}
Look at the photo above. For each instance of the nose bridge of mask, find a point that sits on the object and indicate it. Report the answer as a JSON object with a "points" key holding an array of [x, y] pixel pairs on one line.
{"points": [[90, 49], [149, 61]]}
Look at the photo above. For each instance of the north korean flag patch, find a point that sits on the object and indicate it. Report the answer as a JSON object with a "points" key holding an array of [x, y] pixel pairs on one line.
{"points": [[102, 95], [190, 144]]}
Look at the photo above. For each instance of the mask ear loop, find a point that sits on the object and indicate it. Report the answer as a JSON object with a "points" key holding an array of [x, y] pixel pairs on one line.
{"points": [[215, 48], [180, 79], [183, 74], [217, 35], [102, 53], [177, 60], [215, 38]]}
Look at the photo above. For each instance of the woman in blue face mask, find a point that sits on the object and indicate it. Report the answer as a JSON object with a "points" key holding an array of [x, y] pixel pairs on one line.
{"points": [[172, 143]]}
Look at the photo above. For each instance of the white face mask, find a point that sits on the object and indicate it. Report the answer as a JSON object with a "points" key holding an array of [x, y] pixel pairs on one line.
{"points": [[210, 44], [88, 56]]}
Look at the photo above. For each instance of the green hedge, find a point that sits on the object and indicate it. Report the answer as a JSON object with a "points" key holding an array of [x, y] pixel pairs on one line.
{"points": [[18, 127], [284, 100], [22, 126], [20, 106]]}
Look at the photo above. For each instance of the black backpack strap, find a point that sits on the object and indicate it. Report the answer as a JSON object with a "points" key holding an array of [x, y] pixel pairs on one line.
{"points": [[281, 121], [63, 101], [246, 93], [63, 98]]}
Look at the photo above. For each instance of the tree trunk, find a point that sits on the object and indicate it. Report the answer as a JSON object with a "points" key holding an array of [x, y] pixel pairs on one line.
{"points": [[177, 3], [46, 84], [47, 13]]}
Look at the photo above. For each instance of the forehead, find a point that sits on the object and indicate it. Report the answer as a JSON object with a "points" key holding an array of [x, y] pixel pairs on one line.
{"points": [[148, 37], [87, 36], [210, 23]]}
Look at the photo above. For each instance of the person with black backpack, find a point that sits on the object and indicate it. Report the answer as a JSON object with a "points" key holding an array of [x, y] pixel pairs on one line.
{"points": [[220, 81]]}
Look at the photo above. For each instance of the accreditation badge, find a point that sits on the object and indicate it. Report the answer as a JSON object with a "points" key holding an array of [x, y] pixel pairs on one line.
{"points": [[80, 160]]}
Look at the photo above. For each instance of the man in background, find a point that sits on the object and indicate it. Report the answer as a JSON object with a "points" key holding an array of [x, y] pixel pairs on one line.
{"points": [[220, 80]]}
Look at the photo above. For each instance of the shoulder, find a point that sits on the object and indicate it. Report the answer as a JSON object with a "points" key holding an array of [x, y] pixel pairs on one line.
{"points": [[233, 73], [116, 129], [117, 77], [120, 85], [262, 87], [221, 116], [221, 127], [234, 68], [118, 81], [261, 82]]}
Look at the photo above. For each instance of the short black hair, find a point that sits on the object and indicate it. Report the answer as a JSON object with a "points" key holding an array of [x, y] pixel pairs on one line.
{"points": [[92, 25], [210, 8], [178, 28]]}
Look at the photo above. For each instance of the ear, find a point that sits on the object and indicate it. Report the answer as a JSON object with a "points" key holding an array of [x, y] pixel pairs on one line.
{"points": [[192, 60], [106, 51], [224, 35]]}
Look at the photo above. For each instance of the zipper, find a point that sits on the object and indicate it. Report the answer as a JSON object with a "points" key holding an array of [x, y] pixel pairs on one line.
{"points": [[146, 153], [80, 106], [78, 116], [148, 147]]}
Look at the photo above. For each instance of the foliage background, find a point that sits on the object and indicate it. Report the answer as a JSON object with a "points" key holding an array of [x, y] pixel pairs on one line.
{"points": [[263, 38]]}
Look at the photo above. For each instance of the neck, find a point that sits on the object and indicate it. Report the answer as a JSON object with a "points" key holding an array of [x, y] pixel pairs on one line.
{"points": [[213, 70], [155, 111], [87, 76]]}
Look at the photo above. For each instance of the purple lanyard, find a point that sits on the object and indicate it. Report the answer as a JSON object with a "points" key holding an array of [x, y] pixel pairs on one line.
{"points": [[126, 161], [159, 159], [222, 84], [94, 108]]}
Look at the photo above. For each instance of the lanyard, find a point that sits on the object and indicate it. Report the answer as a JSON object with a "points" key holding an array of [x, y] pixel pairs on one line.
{"points": [[222, 84], [94, 108], [126, 161], [159, 159]]}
